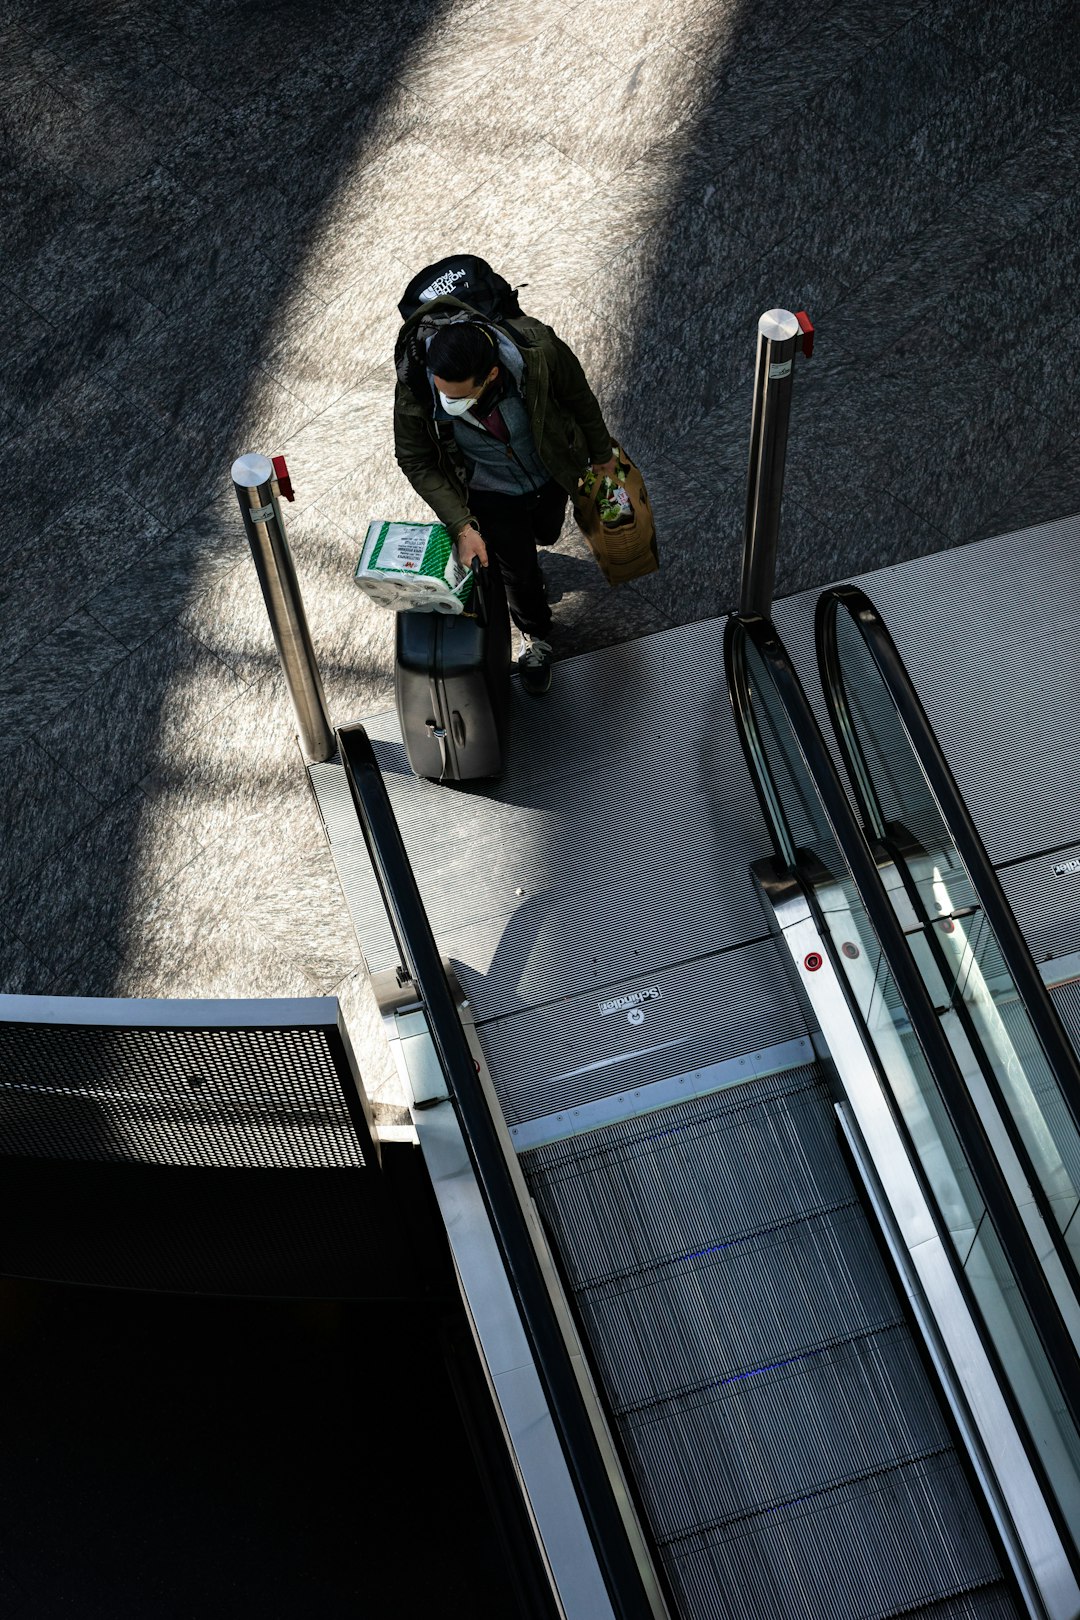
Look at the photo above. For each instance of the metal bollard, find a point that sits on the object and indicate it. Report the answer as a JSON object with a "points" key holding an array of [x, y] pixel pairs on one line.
{"points": [[780, 337], [253, 480]]}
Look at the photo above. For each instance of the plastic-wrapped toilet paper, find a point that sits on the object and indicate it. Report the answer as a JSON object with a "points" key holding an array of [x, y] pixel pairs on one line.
{"points": [[412, 567]]}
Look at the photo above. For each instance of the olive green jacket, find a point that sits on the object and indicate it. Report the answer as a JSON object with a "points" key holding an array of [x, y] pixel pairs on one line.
{"points": [[568, 428]]}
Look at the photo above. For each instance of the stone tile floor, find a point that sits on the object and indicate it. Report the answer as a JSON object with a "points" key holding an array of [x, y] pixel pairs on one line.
{"points": [[210, 210]]}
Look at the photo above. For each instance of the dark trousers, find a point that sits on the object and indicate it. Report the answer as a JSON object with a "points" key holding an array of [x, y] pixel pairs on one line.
{"points": [[512, 527]]}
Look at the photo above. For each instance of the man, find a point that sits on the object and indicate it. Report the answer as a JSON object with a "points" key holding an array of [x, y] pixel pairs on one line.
{"points": [[493, 427]]}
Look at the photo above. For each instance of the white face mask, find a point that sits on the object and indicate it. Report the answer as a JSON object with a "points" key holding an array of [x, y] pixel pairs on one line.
{"points": [[457, 407]]}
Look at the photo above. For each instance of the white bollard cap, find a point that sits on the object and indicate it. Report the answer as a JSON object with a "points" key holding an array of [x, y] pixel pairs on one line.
{"points": [[252, 470], [776, 324]]}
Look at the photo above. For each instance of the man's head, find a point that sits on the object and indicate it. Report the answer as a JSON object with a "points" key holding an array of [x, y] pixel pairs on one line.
{"points": [[464, 363]]}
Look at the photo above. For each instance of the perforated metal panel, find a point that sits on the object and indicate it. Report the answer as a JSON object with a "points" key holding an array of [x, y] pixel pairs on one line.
{"points": [[1046, 901], [256, 1096], [206, 1147]]}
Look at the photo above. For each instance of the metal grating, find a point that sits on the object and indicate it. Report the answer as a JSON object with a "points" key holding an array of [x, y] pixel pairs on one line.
{"points": [[252, 1097], [709, 1458], [742, 1305], [988, 1603], [788, 1450], [1046, 902], [1066, 998]]}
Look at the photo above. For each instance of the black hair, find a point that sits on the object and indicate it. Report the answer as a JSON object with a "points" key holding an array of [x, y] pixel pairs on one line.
{"points": [[461, 352]]}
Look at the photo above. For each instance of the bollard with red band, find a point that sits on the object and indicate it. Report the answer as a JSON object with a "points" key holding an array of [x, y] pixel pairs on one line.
{"points": [[257, 480], [781, 336]]}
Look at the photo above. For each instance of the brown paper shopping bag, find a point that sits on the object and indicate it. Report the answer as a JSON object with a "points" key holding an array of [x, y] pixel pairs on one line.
{"points": [[623, 550]]}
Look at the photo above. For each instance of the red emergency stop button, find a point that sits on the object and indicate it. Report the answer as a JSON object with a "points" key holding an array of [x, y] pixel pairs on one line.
{"points": [[812, 961]]}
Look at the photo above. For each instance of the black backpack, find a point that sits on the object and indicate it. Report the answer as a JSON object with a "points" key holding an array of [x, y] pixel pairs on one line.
{"points": [[463, 276]]}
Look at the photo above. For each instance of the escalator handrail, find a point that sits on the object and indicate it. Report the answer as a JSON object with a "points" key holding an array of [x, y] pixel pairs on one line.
{"points": [[420, 956], [900, 690], [961, 828], [1061, 1352]]}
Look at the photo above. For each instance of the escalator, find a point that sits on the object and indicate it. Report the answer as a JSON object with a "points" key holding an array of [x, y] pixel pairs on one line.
{"points": [[951, 1086], [828, 1303], [811, 1430]]}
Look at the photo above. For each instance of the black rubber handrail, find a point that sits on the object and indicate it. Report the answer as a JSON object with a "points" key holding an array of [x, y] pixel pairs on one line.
{"points": [[1001, 1210], [420, 956], [929, 756]]}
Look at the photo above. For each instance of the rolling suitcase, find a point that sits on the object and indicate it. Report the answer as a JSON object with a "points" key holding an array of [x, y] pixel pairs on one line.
{"points": [[452, 685]]}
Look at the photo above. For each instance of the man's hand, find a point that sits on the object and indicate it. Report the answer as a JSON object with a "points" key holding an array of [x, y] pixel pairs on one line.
{"points": [[605, 469], [470, 544]]}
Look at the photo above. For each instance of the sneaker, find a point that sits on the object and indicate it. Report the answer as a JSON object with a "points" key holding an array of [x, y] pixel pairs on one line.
{"points": [[534, 665]]}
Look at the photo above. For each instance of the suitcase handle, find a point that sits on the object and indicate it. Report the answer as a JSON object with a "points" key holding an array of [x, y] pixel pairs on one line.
{"points": [[482, 614]]}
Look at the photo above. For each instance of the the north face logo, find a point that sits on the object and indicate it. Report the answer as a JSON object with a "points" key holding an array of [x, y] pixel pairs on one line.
{"points": [[445, 284]]}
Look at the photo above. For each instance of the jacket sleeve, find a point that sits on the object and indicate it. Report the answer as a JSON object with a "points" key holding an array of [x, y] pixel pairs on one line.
{"points": [[417, 454], [571, 388]]}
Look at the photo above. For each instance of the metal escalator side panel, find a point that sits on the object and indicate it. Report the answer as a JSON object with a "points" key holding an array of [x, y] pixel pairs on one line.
{"points": [[925, 1258], [563, 1314], [513, 1383], [526, 1420], [423, 967]]}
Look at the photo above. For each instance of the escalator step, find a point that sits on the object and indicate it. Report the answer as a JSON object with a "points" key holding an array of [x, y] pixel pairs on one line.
{"points": [[993, 1602], [760, 1440], [758, 1157], [790, 1455], [878, 1547], [767, 1300]]}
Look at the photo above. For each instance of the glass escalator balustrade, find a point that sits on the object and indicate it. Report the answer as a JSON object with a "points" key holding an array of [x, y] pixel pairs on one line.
{"points": [[966, 968], [960, 958], [917, 1096], [961, 962], [961, 1211]]}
